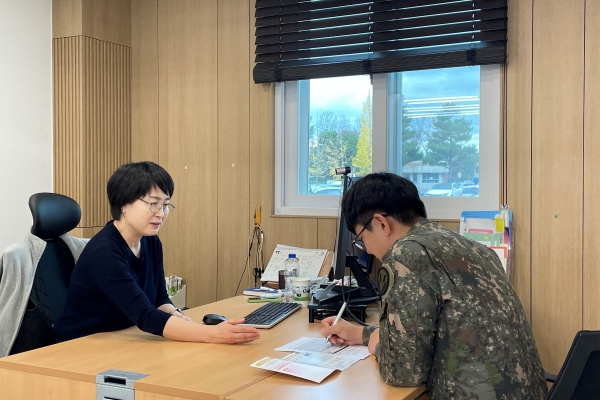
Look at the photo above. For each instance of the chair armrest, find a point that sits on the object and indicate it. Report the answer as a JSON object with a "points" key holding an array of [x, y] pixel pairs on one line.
{"points": [[550, 377]]}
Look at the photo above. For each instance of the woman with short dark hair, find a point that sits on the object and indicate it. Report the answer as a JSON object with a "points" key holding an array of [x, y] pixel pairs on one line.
{"points": [[118, 280]]}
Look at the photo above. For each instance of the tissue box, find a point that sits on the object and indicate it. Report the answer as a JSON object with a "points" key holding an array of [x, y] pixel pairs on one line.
{"points": [[178, 298]]}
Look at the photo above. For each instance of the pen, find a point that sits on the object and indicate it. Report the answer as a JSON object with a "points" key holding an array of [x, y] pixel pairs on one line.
{"points": [[337, 319]]}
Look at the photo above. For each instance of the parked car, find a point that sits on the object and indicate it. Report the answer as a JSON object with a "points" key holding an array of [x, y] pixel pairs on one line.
{"points": [[470, 191], [330, 191], [445, 189]]}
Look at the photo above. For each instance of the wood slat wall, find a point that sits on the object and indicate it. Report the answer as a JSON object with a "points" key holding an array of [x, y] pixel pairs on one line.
{"points": [[92, 101], [106, 122], [67, 70], [92, 119]]}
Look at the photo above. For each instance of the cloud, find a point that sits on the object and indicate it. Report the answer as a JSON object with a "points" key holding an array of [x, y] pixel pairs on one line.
{"points": [[447, 82], [342, 96], [345, 95]]}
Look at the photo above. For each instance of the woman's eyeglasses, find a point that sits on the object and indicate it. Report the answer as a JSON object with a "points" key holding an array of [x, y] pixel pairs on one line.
{"points": [[156, 207]]}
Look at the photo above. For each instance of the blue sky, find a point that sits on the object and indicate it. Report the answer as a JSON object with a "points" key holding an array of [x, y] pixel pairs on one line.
{"points": [[345, 96]]}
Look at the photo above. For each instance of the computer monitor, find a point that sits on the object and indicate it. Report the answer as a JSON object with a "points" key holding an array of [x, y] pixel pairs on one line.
{"points": [[343, 237], [348, 256]]}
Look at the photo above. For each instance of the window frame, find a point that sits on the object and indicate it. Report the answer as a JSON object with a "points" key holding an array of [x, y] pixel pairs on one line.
{"points": [[286, 157]]}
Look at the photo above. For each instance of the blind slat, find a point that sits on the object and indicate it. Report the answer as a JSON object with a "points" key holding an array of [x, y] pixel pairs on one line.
{"points": [[297, 7], [494, 54], [385, 36], [379, 27], [313, 39], [383, 46], [381, 13]]}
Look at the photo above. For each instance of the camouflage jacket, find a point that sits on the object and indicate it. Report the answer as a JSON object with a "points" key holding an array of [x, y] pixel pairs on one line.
{"points": [[452, 320]]}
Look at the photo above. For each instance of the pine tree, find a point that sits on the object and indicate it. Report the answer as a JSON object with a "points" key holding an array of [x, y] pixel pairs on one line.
{"points": [[448, 143], [411, 145]]}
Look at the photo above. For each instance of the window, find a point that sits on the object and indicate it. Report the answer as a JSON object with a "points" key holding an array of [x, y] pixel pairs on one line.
{"points": [[427, 178], [432, 126]]}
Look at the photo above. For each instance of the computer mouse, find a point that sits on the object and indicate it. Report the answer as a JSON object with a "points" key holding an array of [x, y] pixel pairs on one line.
{"points": [[213, 319]]}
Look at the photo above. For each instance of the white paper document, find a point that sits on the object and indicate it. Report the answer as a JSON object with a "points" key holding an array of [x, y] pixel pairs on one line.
{"points": [[320, 346], [304, 371], [322, 360], [310, 260]]}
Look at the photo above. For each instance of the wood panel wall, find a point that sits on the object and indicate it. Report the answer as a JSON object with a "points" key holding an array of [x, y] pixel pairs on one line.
{"points": [[518, 141], [553, 75], [189, 142], [591, 166], [557, 168], [197, 112], [92, 102], [106, 20], [233, 176]]}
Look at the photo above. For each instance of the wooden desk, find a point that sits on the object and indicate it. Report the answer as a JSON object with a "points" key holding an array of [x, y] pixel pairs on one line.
{"points": [[179, 370], [360, 381]]}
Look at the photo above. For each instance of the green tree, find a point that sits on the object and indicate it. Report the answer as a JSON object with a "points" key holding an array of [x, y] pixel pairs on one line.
{"points": [[349, 140], [411, 143], [363, 161], [422, 127], [332, 150], [447, 145]]}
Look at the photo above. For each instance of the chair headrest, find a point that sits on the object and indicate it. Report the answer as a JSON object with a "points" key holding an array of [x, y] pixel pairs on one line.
{"points": [[53, 214]]}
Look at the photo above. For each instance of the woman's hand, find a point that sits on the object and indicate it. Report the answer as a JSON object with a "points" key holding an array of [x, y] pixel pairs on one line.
{"points": [[343, 333], [230, 332]]}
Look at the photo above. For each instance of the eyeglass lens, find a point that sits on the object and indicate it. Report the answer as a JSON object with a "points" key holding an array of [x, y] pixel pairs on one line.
{"points": [[167, 208]]}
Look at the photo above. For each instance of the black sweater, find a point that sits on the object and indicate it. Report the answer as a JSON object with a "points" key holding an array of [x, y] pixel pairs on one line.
{"points": [[112, 289]]}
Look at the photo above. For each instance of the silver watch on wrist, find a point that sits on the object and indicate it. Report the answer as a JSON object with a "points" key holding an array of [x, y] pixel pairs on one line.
{"points": [[176, 309]]}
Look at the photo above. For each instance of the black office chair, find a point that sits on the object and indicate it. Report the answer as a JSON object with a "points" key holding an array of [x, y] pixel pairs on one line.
{"points": [[579, 377], [53, 215]]}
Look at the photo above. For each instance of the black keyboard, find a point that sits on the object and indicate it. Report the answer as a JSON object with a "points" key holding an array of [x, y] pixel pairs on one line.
{"points": [[270, 314]]}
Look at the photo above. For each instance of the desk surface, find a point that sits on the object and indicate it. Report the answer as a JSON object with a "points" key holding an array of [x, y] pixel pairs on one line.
{"points": [[200, 370]]}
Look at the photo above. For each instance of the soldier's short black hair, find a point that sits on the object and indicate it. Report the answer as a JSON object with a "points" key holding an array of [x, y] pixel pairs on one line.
{"points": [[385, 193], [135, 180]]}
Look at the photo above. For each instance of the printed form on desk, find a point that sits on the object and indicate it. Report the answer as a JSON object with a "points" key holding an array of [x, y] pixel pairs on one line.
{"points": [[310, 260], [313, 358]]}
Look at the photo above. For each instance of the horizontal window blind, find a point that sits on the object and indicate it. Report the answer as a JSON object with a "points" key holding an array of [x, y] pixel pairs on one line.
{"points": [[302, 39]]}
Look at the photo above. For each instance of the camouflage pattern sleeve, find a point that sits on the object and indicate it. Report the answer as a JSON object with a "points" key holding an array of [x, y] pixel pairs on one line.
{"points": [[407, 329], [366, 333]]}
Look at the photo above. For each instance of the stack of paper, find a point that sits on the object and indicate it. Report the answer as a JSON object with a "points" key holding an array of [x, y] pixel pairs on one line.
{"points": [[310, 260], [313, 359], [493, 229]]}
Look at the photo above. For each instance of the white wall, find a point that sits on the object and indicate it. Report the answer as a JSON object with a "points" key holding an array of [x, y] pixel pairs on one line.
{"points": [[25, 111]]}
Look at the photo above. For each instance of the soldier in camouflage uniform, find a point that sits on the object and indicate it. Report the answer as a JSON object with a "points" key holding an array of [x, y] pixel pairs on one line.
{"points": [[450, 318]]}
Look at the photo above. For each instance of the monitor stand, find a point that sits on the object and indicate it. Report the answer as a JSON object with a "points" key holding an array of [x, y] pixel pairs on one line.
{"points": [[358, 310], [334, 294]]}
